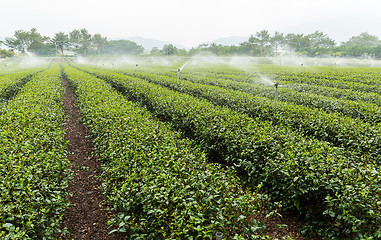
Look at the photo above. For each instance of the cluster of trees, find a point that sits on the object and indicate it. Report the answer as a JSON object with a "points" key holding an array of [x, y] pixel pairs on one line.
{"points": [[6, 53], [78, 41], [315, 44], [262, 43]]}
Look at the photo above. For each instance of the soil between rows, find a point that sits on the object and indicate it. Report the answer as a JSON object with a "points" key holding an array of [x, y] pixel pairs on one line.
{"points": [[88, 214]]}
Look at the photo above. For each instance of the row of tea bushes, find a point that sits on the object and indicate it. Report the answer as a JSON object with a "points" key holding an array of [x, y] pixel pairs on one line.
{"points": [[358, 137], [33, 166], [161, 186], [11, 83], [331, 92], [293, 93], [305, 174]]}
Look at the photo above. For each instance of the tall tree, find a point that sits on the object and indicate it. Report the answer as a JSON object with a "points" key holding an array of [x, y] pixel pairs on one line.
{"points": [[262, 39], [20, 41], [61, 40], [169, 49], [23, 41], [257, 44], [297, 42], [98, 42], [277, 41], [320, 40], [75, 39], [122, 47], [364, 39], [85, 40], [36, 41]]}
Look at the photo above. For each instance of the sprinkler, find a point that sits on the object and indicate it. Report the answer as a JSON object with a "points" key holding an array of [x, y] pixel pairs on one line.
{"points": [[301, 67], [219, 236], [178, 73], [276, 92]]}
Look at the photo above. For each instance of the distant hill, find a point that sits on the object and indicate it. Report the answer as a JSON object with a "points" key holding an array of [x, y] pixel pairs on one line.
{"points": [[149, 43], [227, 41]]}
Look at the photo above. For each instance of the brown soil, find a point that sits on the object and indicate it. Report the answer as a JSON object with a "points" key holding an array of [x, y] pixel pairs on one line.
{"points": [[284, 225], [88, 214]]}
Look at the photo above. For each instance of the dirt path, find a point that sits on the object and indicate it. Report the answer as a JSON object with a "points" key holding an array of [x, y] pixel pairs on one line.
{"points": [[88, 215]]}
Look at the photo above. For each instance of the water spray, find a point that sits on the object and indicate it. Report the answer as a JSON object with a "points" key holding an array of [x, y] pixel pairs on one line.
{"points": [[276, 92]]}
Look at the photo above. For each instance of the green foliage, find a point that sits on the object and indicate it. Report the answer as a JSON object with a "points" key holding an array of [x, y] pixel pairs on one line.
{"points": [[169, 50], [32, 160], [120, 47], [305, 174], [6, 53], [161, 185], [61, 41], [10, 84], [23, 41], [359, 137]]}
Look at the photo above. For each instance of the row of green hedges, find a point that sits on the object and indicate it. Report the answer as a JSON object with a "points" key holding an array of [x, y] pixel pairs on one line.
{"points": [[33, 166], [294, 92], [358, 137], [11, 83], [161, 186], [305, 174]]}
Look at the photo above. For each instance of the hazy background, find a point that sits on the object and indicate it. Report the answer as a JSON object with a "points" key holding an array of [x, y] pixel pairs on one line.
{"points": [[190, 23]]}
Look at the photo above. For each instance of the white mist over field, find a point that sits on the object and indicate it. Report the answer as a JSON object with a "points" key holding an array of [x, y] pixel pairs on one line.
{"points": [[243, 63], [252, 66], [25, 62]]}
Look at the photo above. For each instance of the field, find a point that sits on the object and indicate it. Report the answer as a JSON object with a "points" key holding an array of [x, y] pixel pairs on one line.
{"points": [[188, 148]]}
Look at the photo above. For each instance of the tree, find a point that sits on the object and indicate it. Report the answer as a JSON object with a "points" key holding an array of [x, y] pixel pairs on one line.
{"points": [[262, 39], [122, 47], [85, 40], [19, 42], [36, 41], [61, 40], [320, 40], [23, 41], [277, 41], [75, 39], [6, 53], [258, 44], [98, 42], [169, 49], [364, 39], [81, 40], [298, 42], [155, 51]]}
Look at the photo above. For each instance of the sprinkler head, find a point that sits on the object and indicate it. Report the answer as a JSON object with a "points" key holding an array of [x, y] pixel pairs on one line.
{"points": [[178, 69], [137, 65], [276, 85]]}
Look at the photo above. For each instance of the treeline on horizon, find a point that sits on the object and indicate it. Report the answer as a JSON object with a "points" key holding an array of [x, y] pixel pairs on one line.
{"points": [[262, 43]]}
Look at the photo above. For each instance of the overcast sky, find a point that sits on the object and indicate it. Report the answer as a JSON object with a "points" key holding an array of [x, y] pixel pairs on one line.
{"points": [[192, 22]]}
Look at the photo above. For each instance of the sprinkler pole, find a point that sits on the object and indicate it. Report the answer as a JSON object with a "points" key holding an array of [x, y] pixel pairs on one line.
{"points": [[276, 92], [301, 67], [178, 73], [219, 236]]}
